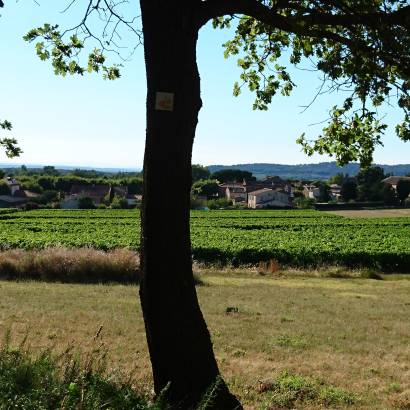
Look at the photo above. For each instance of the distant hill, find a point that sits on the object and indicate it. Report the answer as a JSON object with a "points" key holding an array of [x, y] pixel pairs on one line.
{"points": [[323, 170], [70, 168]]}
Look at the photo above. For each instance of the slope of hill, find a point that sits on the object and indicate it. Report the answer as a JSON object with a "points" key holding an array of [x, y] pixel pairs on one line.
{"points": [[323, 170]]}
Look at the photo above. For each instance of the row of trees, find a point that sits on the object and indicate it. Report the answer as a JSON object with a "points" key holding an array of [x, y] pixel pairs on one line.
{"points": [[41, 181], [50, 170], [200, 172], [64, 184]]}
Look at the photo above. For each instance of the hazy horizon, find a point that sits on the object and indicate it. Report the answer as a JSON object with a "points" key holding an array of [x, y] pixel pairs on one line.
{"points": [[139, 168]]}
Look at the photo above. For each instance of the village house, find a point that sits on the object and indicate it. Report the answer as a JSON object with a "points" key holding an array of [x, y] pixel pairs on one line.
{"points": [[335, 192], [96, 192], [311, 191], [238, 192], [393, 181], [17, 197], [265, 197], [13, 185]]}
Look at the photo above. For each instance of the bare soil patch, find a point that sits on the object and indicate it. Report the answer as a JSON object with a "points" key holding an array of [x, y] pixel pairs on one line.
{"points": [[372, 213]]}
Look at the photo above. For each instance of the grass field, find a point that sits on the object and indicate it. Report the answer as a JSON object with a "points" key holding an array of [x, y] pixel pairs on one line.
{"points": [[353, 334]]}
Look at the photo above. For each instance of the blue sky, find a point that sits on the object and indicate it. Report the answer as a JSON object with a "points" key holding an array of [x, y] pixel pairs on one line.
{"points": [[86, 121]]}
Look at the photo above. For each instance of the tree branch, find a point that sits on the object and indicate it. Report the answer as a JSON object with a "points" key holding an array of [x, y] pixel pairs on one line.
{"points": [[315, 25], [253, 8]]}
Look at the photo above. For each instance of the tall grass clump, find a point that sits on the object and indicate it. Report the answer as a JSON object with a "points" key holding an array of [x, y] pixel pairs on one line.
{"points": [[83, 265], [51, 382]]}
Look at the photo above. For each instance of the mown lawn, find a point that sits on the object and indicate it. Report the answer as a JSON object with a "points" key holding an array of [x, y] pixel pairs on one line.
{"points": [[353, 334]]}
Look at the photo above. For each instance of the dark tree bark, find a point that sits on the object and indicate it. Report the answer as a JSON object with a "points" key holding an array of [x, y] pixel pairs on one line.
{"points": [[178, 339]]}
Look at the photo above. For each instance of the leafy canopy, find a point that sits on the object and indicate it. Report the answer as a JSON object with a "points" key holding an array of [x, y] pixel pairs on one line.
{"points": [[362, 47], [64, 55]]}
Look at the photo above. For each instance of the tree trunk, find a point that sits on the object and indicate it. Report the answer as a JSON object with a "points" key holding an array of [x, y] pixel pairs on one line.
{"points": [[179, 343]]}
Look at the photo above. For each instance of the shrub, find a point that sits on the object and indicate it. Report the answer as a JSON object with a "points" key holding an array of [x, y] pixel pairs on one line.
{"points": [[197, 203], [219, 203], [30, 206], [119, 203], [85, 202], [67, 381], [304, 203]]}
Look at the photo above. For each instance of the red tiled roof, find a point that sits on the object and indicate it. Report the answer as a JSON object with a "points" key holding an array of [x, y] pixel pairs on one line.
{"points": [[260, 191], [90, 190], [395, 180]]}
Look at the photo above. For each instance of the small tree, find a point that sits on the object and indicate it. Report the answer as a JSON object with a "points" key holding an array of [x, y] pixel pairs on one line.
{"points": [[208, 188], [200, 172], [50, 170], [232, 175], [304, 203], [134, 186], [119, 203], [220, 203], [349, 190], [370, 175], [370, 185], [338, 179], [47, 183], [47, 197]]}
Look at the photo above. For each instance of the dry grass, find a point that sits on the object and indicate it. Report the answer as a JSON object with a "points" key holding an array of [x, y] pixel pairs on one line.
{"points": [[351, 333], [270, 267], [82, 265], [373, 213]]}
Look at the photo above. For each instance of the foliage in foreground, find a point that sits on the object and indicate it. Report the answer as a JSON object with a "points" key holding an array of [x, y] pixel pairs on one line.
{"points": [[51, 382]]}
